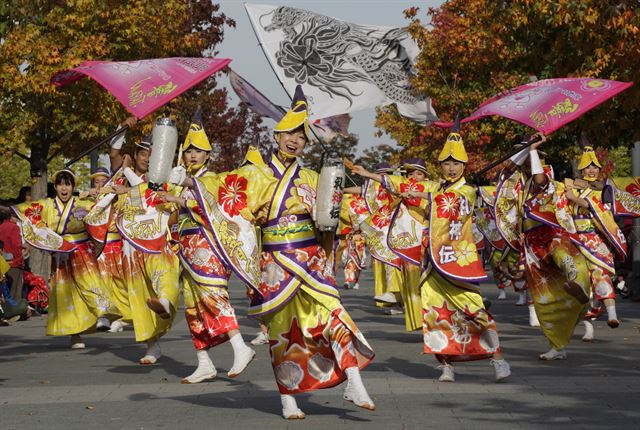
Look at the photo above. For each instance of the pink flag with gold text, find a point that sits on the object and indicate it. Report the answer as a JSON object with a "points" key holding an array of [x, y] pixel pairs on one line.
{"points": [[549, 104], [145, 85]]}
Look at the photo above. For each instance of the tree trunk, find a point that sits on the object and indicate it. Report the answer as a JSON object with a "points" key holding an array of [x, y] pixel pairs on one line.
{"points": [[39, 260]]}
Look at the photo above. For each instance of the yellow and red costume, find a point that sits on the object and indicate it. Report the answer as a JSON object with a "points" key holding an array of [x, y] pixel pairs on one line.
{"points": [[78, 295]]}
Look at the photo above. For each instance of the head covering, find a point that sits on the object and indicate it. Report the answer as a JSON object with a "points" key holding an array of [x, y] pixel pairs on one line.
{"points": [[101, 171], [196, 136], [296, 116], [384, 167], [454, 145], [415, 164], [253, 156], [65, 170], [145, 143], [588, 154]]}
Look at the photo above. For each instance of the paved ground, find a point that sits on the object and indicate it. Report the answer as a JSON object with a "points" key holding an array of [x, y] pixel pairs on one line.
{"points": [[43, 384]]}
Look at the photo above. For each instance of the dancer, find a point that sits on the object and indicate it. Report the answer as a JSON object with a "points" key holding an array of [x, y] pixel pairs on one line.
{"points": [[77, 300], [456, 325], [149, 265], [209, 314], [374, 226], [597, 233], [314, 343], [556, 271]]}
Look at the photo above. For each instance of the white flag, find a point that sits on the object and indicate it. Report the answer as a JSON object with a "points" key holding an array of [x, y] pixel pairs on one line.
{"points": [[342, 66]]}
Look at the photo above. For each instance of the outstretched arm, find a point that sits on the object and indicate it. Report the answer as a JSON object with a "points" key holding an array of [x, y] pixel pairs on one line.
{"points": [[359, 170]]}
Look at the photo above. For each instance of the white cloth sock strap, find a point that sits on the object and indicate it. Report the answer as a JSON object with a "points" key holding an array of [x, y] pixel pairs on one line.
{"points": [[134, 180], [611, 312], [536, 165], [119, 140], [519, 158]]}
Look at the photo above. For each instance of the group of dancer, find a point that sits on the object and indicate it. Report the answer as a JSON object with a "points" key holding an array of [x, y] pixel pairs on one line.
{"points": [[122, 253]]}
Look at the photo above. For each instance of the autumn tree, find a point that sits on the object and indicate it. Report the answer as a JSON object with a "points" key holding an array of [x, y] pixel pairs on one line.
{"points": [[474, 49], [40, 38]]}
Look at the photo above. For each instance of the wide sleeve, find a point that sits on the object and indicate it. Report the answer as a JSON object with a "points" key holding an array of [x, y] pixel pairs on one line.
{"points": [[230, 203]]}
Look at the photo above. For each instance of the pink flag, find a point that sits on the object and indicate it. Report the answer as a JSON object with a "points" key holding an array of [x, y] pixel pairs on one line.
{"points": [[549, 104], [143, 86]]}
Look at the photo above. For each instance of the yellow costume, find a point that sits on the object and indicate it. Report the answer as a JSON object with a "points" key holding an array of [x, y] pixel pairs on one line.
{"points": [[78, 295], [150, 266]]}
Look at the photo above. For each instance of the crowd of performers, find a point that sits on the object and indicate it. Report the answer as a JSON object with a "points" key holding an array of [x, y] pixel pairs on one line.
{"points": [[123, 252]]}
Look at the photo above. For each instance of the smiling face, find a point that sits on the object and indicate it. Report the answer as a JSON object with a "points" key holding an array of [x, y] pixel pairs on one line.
{"points": [[416, 175], [591, 172], [99, 182], [194, 156], [291, 143], [452, 169], [141, 158]]}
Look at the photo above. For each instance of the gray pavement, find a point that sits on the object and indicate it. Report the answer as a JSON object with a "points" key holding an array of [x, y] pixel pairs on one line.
{"points": [[45, 385]]}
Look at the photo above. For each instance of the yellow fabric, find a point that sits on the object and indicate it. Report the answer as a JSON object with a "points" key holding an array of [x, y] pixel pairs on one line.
{"points": [[386, 279], [77, 297], [197, 138], [410, 290], [559, 304], [253, 156], [295, 117], [112, 274], [150, 275], [588, 157], [4, 266], [78, 294], [454, 148]]}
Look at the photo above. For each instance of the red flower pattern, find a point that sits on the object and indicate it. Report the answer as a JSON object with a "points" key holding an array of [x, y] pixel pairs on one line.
{"points": [[232, 194], [383, 217], [447, 206], [358, 205], [34, 213], [151, 197], [413, 185]]}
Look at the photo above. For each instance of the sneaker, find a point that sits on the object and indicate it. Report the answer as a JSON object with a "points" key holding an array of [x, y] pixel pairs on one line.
{"points": [[447, 373], [502, 295], [554, 354], [355, 286], [613, 323], [261, 339], [387, 297], [503, 370]]}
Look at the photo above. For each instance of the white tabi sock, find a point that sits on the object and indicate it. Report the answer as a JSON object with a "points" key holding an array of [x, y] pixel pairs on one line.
{"points": [[290, 410], [242, 355], [153, 352], [588, 331], [355, 391], [611, 312], [533, 317], [165, 304], [205, 370]]}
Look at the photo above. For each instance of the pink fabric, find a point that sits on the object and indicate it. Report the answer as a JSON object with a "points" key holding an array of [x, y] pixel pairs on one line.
{"points": [[143, 86], [549, 104]]}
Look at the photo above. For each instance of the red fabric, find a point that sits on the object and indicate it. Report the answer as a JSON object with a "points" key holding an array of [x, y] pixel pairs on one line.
{"points": [[10, 235]]}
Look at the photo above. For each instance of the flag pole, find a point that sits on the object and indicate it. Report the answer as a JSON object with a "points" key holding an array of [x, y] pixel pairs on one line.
{"points": [[324, 148], [97, 145]]}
